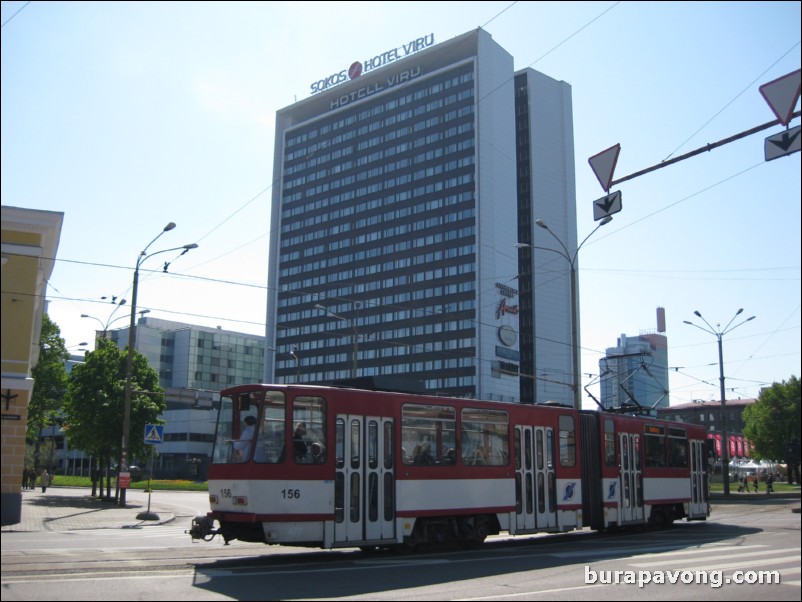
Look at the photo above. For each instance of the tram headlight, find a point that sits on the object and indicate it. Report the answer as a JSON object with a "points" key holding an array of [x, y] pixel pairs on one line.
{"points": [[240, 500]]}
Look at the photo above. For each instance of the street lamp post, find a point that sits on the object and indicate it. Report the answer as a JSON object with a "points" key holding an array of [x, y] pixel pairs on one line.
{"points": [[725, 444], [294, 354], [353, 324], [129, 363], [111, 319], [575, 386]]}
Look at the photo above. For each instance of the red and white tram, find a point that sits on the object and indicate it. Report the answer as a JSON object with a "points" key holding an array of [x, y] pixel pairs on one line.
{"points": [[331, 467]]}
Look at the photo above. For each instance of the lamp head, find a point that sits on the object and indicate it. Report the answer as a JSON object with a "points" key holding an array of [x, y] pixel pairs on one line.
{"points": [[541, 223], [696, 313], [169, 227]]}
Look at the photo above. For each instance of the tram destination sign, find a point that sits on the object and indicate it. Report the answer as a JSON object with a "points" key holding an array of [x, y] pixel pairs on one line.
{"points": [[358, 68]]}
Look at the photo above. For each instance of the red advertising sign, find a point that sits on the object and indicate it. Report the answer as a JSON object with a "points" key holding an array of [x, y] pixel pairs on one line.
{"points": [[125, 480]]}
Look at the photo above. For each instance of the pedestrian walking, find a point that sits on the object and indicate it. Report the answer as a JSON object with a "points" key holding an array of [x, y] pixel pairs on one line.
{"points": [[44, 480], [769, 483]]}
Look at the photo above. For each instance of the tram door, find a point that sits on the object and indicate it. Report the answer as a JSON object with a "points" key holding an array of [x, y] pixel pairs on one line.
{"points": [[535, 486], [699, 493], [364, 482], [631, 486]]}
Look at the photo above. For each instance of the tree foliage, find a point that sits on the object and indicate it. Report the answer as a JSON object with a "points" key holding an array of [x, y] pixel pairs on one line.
{"points": [[95, 402], [772, 424], [50, 380]]}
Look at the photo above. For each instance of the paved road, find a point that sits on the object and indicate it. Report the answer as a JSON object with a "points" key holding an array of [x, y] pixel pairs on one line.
{"points": [[70, 546]]}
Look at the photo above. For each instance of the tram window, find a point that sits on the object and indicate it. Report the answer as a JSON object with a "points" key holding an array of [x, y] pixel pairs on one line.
{"points": [[567, 441], [528, 450], [339, 429], [225, 432], [373, 497], [485, 437], [539, 449], [373, 445], [550, 449], [428, 435], [354, 497], [339, 497], [237, 428], [677, 448], [654, 446], [270, 440], [388, 445], [355, 439], [309, 430], [609, 443]]}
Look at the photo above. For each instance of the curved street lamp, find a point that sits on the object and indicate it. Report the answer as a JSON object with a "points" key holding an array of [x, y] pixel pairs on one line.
{"points": [[105, 325], [129, 363], [719, 332], [571, 259]]}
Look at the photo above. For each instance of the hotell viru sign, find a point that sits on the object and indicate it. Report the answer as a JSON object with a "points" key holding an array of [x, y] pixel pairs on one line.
{"points": [[380, 60]]}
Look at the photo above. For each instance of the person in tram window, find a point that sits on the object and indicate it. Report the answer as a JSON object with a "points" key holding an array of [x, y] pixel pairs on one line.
{"points": [[243, 444], [450, 457], [299, 443], [422, 454]]}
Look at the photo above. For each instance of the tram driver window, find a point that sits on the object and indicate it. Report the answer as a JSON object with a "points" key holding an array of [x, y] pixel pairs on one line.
{"points": [[654, 446], [270, 438]]}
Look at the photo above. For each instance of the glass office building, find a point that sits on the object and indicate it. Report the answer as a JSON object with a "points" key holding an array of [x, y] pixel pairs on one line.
{"points": [[635, 373], [400, 195], [189, 356]]}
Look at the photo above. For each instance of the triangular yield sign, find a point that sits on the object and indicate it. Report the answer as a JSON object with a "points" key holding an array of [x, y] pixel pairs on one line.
{"points": [[782, 94], [603, 165]]}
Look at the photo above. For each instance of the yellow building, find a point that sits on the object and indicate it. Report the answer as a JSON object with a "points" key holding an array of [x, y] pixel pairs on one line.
{"points": [[29, 239]]}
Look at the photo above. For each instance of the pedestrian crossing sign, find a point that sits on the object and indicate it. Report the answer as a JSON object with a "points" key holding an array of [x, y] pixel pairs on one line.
{"points": [[154, 434]]}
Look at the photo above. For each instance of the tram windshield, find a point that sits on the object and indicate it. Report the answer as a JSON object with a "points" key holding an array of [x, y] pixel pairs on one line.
{"points": [[250, 426]]}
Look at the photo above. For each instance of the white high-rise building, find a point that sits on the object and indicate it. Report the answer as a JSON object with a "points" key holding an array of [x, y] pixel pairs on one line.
{"points": [[402, 186]]}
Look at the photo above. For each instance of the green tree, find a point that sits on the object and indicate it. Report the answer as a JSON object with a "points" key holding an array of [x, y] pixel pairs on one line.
{"points": [[95, 402], [772, 424], [50, 385]]}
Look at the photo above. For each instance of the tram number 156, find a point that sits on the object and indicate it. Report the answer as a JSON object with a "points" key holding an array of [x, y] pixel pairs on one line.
{"points": [[291, 494]]}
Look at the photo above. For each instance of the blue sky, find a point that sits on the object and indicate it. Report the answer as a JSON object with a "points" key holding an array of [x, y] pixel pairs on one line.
{"points": [[128, 115]]}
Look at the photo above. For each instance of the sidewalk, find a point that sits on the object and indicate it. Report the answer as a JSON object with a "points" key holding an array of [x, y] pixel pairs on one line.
{"points": [[72, 508]]}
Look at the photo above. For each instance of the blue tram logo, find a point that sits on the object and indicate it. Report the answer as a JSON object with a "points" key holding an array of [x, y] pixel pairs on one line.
{"points": [[611, 491], [568, 492]]}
